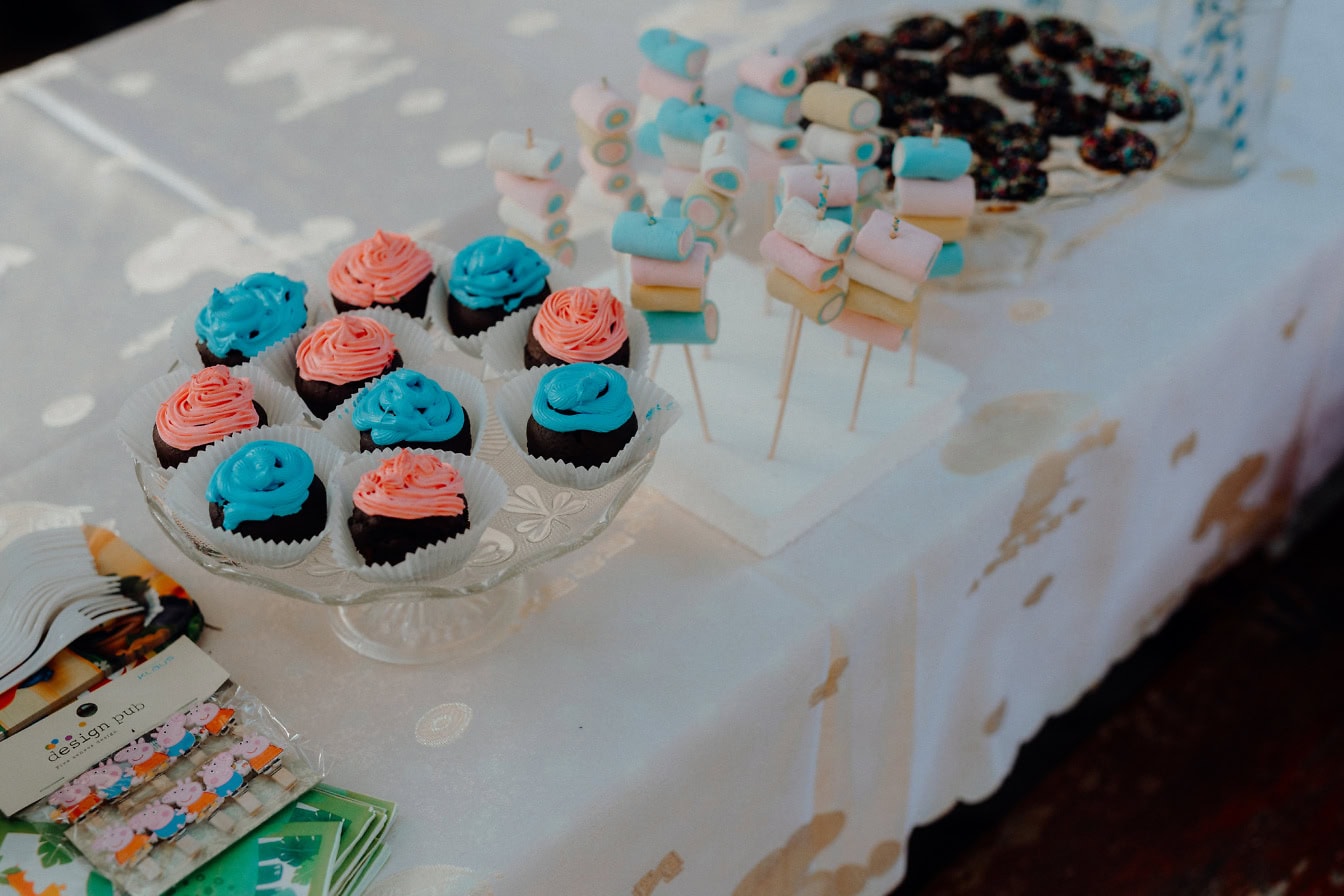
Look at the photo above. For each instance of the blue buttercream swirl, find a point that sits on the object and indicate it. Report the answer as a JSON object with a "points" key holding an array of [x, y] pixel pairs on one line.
{"points": [[591, 397], [260, 480], [496, 271], [253, 314], [407, 406]]}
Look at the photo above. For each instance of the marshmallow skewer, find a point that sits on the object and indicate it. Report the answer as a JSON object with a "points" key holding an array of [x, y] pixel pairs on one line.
{"points": [[531, 204], [523, 155]]}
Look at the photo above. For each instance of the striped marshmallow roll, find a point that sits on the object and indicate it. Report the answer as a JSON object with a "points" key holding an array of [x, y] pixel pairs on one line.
{"points": [[723, 163], [543, 230], [772, 73], [601, 108], [822, 143], [663, 85], [544, 198], [516, 154]]}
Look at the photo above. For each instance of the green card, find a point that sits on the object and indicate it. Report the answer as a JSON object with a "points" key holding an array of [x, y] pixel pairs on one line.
{"points": [[36, 858]]}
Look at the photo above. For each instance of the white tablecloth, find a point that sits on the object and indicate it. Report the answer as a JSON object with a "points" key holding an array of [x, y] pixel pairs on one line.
{"points": [[669, 710]]}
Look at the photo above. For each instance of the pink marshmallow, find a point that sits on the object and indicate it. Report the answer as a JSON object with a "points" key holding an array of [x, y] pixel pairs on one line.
{"points": [[936, 198], [777, 75], [663, 85], [611, 179], [688, 274], [541, 197], [910, 253], [869, 329], [792, 259], [601, 108], [802, 181], [676, 180]]}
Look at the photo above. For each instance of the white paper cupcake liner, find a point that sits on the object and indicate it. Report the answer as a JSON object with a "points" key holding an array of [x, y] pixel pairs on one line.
{"points": [[485, 492], [416, 347], [559, 277], [470, 392], [655, 412], [507, 339], [135, 421], [182, 339], [186, 500]]}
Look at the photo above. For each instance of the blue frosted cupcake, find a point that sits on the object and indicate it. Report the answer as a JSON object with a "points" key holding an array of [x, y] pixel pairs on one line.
{"points": [[268, 491], [492, 278], [406, 409], [581, 415], [240, 322]]}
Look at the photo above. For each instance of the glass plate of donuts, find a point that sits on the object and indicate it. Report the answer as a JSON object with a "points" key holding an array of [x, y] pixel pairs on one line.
{"points": [[1056, 110]]}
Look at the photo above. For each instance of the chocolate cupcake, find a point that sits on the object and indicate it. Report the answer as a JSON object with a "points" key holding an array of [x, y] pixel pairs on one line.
{"points": [[339, 357], [581, 414], [387, 270], [207, 407], [579, 324], [242, 321], [406, 409], [408, 502], [493, 277], [268, 491]]}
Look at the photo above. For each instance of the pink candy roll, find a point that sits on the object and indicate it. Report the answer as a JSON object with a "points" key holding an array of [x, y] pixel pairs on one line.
{"points": [[723, 163], [822, 143], [802, 181], [509, 151], [541, 197], [543, 230], [607, 149], [705, 207], [861, 270], [910, 252], [688, 274], [779, 75], [662, 85], [676, 180], [812, 272], [680, 153], [601, 108], [936, 198], [609, 179], [827, 238], [869, 329]]}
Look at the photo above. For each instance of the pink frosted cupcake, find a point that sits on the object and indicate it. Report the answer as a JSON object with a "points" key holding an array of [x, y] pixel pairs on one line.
{"points": [[206, 408], [339, 357], [387, 269], [578, 324], [407, 502]]}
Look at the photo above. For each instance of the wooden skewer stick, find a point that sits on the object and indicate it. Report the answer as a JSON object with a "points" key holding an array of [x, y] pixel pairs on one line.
{"points": [[914, 345], [657, 357], [695, 389], [848, 350], [937, 133], [604, 82], [529, 138], [794, 315], [858, 394], [704, 352], [788, 381]]}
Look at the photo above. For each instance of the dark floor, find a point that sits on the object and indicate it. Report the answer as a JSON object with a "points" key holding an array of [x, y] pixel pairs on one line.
{"points": [[1210, 763]]}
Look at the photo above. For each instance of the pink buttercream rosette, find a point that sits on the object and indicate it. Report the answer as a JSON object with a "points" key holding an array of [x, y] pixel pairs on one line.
{"points": [[416, 347], [186, 499], [135, 421], [378, 271], [470, 394], [655, 412], [504, 347], [485, 492]]}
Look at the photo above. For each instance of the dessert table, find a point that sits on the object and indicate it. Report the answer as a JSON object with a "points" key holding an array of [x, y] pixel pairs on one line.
{"points": [[664, 709]]}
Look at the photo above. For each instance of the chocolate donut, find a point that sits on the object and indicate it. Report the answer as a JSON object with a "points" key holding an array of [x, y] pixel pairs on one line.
{"points": [[1067, 115], [1011, 179], [1145, 100], [913, 77], [1113, 65], [965, 115], [1035, 79], [909, 116], [970, 58], [994, 26], [1059, 38], [927, 32], [1118, 149], [1011, 139]]}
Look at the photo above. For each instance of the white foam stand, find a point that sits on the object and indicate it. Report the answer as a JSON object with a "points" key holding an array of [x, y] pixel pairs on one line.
{"points": [[819, 465]]}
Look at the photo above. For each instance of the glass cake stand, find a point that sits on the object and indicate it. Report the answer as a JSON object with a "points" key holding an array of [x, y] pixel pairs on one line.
{"points": [[1005, 238], [453, 616]]}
